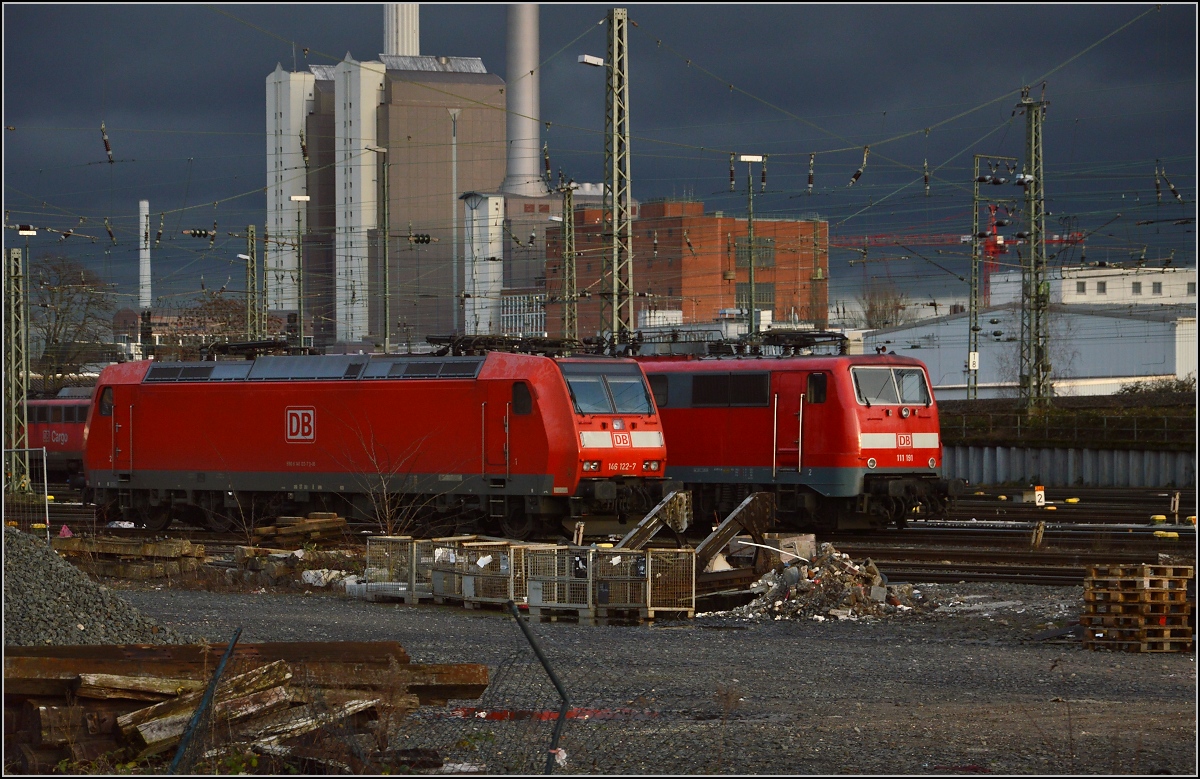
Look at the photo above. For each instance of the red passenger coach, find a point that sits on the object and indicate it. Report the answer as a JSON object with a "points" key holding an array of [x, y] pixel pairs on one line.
{"points": [[843, 441], [515, 442]]}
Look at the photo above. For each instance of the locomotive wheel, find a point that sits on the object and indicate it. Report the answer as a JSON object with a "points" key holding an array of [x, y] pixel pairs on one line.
{"points": [[517, 525], [154, 517]]}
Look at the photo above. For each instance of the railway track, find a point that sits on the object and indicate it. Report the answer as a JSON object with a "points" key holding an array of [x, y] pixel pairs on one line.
{"points": [[1091, 505]]}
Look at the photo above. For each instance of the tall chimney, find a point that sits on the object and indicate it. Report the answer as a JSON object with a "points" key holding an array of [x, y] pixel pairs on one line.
{"points": [[144, 255], [524, 103], [402, 29]]}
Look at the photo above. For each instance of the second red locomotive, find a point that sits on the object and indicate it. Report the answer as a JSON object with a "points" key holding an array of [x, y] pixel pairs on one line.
{"points": [[843, 441], [515, 442]]}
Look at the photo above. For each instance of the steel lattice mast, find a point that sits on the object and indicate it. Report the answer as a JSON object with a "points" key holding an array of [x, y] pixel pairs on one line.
{"points": [[1034, 378], [619, 302], [570, 291], [16, 374]]}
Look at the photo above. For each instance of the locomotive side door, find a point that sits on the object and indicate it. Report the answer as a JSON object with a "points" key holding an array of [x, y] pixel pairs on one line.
{"points": [[787, 397], [496, 413], [122, 428]]}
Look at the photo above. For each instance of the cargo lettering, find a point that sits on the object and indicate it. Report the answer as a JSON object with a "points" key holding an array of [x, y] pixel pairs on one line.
{"points": [[300, 425]]}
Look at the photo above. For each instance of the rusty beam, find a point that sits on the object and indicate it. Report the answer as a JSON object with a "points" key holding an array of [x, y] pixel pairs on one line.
{"points": [[673, 511], [754, 515]]}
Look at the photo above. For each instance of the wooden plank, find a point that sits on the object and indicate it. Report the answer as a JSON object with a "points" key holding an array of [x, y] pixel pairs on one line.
{"points": [[158, 735], [40, 761], [256, 680], [323, 515], [143, 688]]}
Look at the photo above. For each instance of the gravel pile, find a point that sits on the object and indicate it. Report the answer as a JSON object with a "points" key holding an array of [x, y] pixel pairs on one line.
{"points": [[831, 585], [49, 601]]}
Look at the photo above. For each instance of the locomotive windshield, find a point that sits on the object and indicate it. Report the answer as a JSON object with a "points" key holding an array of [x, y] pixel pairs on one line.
{"points": [[890, 386], [613, 388]]}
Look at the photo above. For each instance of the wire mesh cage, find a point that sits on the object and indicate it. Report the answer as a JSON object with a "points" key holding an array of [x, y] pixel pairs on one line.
{"points": [[486, 572], [390, 568], [619, 579], [447, 567], [560, 578], [672, 581], [422, 568]]}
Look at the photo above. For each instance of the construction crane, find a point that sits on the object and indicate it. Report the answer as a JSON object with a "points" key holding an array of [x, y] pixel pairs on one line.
{"points": [[994, 243]]}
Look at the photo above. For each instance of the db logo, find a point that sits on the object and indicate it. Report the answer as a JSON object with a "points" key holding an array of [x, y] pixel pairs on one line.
{"points": [[904, 439], [622, 439], [300, 427]]}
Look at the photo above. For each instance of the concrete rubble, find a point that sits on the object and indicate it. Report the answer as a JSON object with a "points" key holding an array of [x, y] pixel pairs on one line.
{"points": [[829, 586]]}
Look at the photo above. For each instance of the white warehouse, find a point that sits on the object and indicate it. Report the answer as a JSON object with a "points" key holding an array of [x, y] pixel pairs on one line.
{"points": [[1094, 350]]}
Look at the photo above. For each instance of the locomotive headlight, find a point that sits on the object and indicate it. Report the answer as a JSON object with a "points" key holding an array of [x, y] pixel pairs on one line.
{"points": [[904, 412], [932, 463], [591, 465], [871, 463], [650, 465]]}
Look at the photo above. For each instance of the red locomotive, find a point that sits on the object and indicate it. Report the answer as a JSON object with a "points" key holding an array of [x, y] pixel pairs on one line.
{"points": [[515, 442], [843, 441], [58, 425]]}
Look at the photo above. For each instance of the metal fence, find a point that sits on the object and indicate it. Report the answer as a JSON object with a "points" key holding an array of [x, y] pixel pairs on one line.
{"points": [[390, 567], [1087, 428], [26, 502]]}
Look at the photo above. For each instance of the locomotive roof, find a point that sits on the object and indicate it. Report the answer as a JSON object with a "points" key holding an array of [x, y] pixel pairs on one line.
{"points": [[317, 368], [771, 363]]}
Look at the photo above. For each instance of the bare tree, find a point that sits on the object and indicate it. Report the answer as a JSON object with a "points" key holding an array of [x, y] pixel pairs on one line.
{"points": [[883, 305], [70, 319]]}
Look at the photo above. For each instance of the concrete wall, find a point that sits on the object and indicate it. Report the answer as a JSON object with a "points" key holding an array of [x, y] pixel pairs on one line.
{"points": [[1069, 467]]}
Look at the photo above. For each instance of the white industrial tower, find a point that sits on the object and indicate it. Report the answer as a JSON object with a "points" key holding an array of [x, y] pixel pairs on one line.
{"points": [[289, 100]]}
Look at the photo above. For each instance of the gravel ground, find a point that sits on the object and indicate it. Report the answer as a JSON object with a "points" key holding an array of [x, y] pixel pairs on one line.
{"points": [[49, 601], [963, 689]]}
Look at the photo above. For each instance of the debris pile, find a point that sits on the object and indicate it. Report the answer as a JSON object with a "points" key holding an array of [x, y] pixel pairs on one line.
{"points": [[830, 586], [49, 601], [314, 707], [273, 567]]}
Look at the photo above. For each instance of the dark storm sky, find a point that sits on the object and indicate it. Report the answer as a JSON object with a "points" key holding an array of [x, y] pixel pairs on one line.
{"points": [[180, 89]]}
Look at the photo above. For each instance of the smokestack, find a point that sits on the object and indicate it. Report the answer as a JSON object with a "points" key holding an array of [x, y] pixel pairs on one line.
{"points": [[402, 29], [144, 255], [524, 103]]}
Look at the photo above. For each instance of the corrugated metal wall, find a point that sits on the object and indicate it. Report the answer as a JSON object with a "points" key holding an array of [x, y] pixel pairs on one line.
{"points": [[1069, 467]]}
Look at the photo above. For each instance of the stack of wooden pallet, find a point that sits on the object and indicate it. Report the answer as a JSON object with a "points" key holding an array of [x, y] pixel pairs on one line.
{"points": [[130, 558], [317, 526], [135, 701], [1137, 608]]}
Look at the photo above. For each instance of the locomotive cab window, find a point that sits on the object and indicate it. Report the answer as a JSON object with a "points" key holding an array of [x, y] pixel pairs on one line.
{"points": [[891, 387], [106, 402], [817, 385], [522, 399], [607, 388]]}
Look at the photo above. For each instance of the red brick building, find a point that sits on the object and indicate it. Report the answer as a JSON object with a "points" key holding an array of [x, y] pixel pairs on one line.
{"points": [[697, 263]]}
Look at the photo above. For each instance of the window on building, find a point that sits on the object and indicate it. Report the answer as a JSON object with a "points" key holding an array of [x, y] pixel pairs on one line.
{"points": [[529, 208], [764, 252], [544, 208], [1101, 287], [1081, 288], [1191, 288], [1137, 287], [1156, 288], [764, 295]]}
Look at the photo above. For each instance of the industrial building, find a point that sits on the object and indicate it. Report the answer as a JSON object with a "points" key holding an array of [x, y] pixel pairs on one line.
{"points": [[1094, 349], [694, 267], [1101, 283], [440, 127]]}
